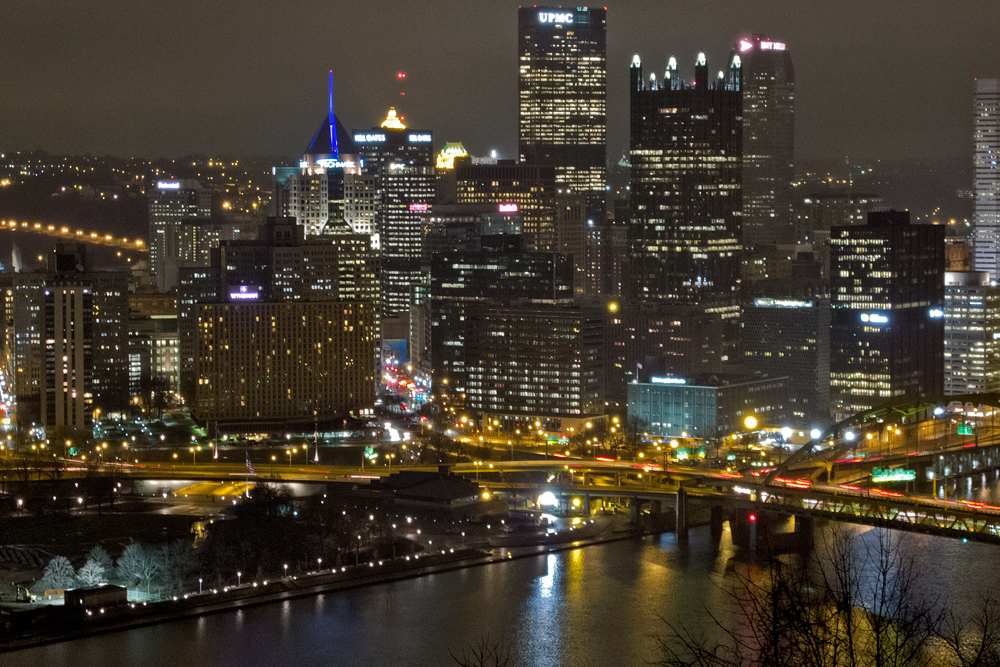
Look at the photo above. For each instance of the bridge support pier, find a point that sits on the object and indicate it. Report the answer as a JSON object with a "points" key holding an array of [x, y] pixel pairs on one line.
{"points": [[716, 522], [804, 527], [743, 524], [681, 524], [634, 513]]}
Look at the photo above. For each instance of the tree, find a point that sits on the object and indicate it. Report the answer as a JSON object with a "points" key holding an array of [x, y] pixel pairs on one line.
{"points": [[156, 394], [59, 573], [138, 565], [633, 431], [102, 558], [974, 642], [855, 604], [484, 653], [177, 563], [91, 574]]}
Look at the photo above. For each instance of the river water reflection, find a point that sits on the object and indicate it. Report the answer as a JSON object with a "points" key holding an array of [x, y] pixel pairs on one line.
{"points": [[597, 606]]}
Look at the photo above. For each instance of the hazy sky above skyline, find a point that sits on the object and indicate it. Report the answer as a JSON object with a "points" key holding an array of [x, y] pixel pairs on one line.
{"points": [[889, 79]]}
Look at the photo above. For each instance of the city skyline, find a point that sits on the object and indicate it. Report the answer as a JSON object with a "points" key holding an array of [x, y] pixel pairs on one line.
{"points": [[891, 86]]}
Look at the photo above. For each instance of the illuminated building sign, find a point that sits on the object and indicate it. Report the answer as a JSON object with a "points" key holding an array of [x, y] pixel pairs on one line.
{"points": [[418, 207], [244, 293], [935, 312], [420, 138], [168, 185], [657, 380], [507, 208], [746, 45], [874, 318], [782, 303], [893, 475], [555, 17], [330, 163], [368, 138]]}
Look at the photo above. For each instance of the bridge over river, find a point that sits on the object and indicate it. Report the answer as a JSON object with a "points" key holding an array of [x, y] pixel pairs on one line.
{"points": [[829, 477]]}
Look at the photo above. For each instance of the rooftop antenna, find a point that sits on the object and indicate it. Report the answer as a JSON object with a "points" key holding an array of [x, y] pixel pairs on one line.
{"points": [[333, 122]]}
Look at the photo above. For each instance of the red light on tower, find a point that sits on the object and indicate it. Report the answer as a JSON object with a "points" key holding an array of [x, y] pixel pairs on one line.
{"points": [[752, 517], [400, 75]]}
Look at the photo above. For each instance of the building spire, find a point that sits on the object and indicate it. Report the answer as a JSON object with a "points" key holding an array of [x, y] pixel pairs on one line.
{"points": [[333, 123]]}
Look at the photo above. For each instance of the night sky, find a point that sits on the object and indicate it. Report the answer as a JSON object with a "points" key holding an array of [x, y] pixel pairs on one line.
{"points": [[885, 79]]}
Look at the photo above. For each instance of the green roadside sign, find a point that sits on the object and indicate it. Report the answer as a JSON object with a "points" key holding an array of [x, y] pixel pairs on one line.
{"points": [[893, 475]]}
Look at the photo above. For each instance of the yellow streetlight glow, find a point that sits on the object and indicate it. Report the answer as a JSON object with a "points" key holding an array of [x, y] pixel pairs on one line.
{"points": [[750, 422]]}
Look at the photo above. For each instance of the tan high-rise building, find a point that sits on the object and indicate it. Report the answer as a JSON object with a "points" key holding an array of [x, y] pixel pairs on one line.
{"points": [[262, 364]]}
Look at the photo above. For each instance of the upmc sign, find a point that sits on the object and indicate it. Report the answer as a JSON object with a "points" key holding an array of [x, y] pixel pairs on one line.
{"points": [[555, 17]]}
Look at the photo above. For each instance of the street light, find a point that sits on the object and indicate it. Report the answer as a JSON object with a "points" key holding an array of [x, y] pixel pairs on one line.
{"points": [[286, 570], [289, 452], [239, 578]]}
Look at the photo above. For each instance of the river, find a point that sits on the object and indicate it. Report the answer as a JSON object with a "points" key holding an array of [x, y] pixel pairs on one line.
{"points": [[597, 606]]}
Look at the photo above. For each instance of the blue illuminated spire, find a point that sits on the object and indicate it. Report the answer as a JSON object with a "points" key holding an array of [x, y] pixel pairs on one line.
{"points": [[333, 123], [331, 140]]}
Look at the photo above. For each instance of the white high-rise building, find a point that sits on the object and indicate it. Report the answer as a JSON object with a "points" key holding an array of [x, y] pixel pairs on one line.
{"points": [[986, 220], [174, 205], [971, 323]]}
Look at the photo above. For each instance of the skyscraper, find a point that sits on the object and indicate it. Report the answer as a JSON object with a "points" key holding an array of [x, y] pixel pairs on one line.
{"points": [[280, 267], [768, 141], [316, 194], [686, 143], [686, 154], [791, 337], [971, 320], [401, 161], [174, 206], [509, 345], [887, 323], [986, 135], [71, 333], [562, 95]]}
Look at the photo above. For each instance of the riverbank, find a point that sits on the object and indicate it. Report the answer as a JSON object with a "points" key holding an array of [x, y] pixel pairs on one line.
{"points": [[56, 623]]}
